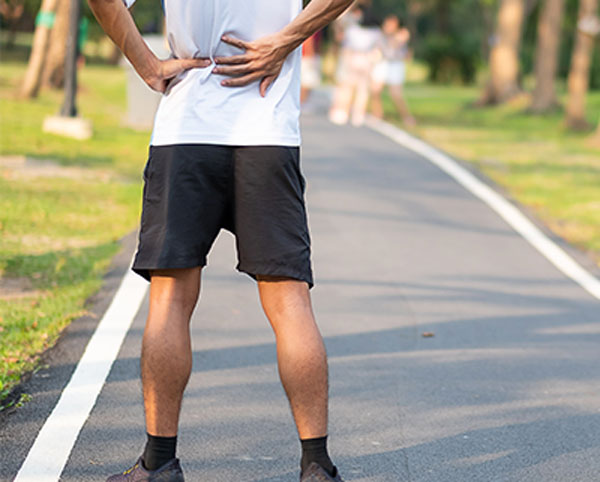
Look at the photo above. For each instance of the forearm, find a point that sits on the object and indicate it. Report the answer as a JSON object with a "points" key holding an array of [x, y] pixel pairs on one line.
{"points": [[313, 18], [117, 22]]}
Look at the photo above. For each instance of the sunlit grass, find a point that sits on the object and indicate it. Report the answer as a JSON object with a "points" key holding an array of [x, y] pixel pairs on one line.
{"points": [[58, 233], [102, 100]]}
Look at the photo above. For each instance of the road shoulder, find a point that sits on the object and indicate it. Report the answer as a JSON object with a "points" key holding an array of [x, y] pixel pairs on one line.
{"points": [[20, 426]]}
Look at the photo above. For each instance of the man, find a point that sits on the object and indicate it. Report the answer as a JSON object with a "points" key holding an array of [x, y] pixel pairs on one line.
{"points": [[224, 154]]}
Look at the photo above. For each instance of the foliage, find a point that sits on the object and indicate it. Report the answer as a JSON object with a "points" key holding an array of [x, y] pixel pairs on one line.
{"points": [[451, 59], [455, 46], [451, 42]]}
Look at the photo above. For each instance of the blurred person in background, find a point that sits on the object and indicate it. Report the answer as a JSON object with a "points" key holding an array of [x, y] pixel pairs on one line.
{"points": [[390, 71], [359, 53], [349, 18], [311, 66]]}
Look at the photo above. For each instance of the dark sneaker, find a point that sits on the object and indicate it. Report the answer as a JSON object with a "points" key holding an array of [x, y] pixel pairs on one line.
{"points": [[316, 473], [170, 472]]}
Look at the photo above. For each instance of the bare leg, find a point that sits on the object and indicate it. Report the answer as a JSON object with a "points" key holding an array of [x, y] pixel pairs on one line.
{"points": [[361, 101], [166, 349], [340, 108], [376, 103], [397, 94], [300, 353]]}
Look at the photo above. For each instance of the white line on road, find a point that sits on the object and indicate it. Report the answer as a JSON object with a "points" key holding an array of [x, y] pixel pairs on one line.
{"points": [[557, 256], [52, 447]]}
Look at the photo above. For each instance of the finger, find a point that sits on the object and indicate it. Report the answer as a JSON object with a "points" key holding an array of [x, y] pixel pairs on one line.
{"points": [[234, 59], [194, 63], [265, 84], [241, 81], [233, 70], [240, 44], [174, 67]]}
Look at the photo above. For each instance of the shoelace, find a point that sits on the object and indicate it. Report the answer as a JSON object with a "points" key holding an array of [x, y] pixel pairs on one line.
{"points": [[128, 471]]}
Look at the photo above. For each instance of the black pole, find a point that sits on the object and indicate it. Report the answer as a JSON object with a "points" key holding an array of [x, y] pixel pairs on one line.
{"points": [[69, 107]]}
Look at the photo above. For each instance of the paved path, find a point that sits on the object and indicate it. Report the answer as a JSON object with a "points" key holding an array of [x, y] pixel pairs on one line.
{"points": [[506, 390]]}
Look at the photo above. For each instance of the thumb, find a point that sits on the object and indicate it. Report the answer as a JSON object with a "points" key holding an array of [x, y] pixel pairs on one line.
{"points": [[197, 63], [174, 67], [186, 64], [265, 83]]}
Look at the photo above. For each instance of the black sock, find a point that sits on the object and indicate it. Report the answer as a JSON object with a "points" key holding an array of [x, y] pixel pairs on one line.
{"points": [[315, 450], [158, 451]]}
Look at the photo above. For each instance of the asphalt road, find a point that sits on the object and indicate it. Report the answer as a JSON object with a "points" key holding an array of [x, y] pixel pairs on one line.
{"points": [[508, 389]]}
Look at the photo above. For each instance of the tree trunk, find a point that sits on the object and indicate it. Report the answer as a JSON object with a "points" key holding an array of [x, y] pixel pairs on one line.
{"points": [[39, 49], [504, 56], [442, 16], [579, 75], [54, 72], [546, 55]]}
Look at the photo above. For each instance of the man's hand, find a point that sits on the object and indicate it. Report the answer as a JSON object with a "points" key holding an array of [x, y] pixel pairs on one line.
{"points": [[117, 22], [165, 70], [262, 60]]}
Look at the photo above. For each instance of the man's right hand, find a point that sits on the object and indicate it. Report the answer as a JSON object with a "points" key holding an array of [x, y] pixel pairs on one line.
{"points": [[117, 22], [165, 70]]}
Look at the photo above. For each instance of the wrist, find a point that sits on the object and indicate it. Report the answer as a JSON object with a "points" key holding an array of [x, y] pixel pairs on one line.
{"points": [[148, 66], [289, 40]]}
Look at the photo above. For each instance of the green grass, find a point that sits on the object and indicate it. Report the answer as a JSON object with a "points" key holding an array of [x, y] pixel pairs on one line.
{"points": [[102, 100], [534, 157], [59, 233]]}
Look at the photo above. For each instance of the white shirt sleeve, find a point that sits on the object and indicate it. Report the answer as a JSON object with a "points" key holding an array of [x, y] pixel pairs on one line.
{"points": [[128, 3]]}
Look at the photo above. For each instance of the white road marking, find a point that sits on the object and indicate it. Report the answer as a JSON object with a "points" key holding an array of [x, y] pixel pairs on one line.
{"points": [[557, 256], [52, 447]]}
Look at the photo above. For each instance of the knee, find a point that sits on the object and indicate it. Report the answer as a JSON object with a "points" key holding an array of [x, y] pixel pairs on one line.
{"points": [[175, 290], [285, 300]]}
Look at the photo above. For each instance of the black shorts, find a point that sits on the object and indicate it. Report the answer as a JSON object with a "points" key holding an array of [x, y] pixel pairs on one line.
{"points": [[192, 191]]}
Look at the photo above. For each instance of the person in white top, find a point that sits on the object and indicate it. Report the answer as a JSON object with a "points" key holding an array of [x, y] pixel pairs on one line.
{"points": [[390, 71], [239, 117], [359, 52], [224, 154]]}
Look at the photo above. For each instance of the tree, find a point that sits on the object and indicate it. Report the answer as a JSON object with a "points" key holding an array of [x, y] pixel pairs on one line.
{"points": [[39, 49], [504, 55], [579, 75], [54, 71], [546, 55]]}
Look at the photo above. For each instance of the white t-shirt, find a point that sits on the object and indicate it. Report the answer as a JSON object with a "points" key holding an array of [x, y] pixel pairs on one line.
{"points": [[196, 109], [362, 39]]}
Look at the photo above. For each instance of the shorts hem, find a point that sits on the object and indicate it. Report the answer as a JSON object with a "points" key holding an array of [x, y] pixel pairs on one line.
{"points": [[278, 272], [144, 270]]}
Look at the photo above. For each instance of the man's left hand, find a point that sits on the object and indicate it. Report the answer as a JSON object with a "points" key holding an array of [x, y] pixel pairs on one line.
{"points": [[262, 61]]}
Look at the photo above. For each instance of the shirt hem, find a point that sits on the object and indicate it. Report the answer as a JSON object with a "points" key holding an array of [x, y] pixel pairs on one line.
{"points": [[293, 141]]}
